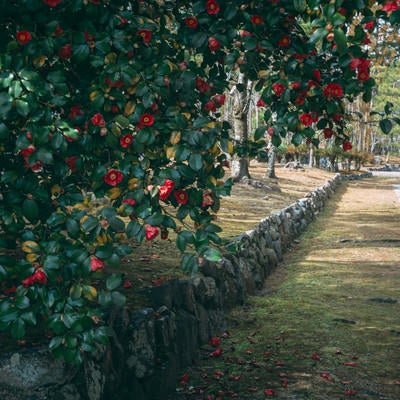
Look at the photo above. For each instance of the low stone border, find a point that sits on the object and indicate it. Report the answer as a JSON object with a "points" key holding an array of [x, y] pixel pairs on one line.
{"points": [[151, 346]]}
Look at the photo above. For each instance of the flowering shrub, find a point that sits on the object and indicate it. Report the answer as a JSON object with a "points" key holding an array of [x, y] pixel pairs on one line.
{"points": [[120, 100]]}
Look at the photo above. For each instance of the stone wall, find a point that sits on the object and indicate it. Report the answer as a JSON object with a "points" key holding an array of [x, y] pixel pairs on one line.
{"points": [[152, 345]]}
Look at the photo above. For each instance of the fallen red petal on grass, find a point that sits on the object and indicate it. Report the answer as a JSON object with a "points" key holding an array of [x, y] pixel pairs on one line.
{"points": [[315, 356], [156, 256], [127, 284], [279, 363], [267, 353], [337, 351], [285, 382], [234, 378], [218, 374], [249, 351], [350, 392], [326, 376], [269, 392], [346, 382], [252, 389], [216, 353], [350, 364]]}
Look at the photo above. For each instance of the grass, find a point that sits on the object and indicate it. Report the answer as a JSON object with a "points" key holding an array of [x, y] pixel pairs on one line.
{"points": [[326, 325]]}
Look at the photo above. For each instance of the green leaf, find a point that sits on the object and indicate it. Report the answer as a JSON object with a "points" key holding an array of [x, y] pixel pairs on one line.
{"points": [[73, 228], [22, 302], [113, 281], [18, 328], [386, 125], [118, 299], [196, 161], [52, 262], [260, 132], [199, 39], [340, 40], [135, 230], [5, 104], [55, 342], [4, 131], [230, 12], [30, 210], [89, 223], [297, 139], [117, 224], [250, 43], [80, 52], [190, 263], [318, 35], [22, 107], [212, 255]]}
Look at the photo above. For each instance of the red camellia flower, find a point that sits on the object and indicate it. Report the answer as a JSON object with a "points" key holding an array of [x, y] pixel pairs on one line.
{"points": [[389, 7], [278, 88], [213, 44], [212, 7], [131, 202], [75, 111], [210, 106], [333, 90], [151, 232], [214, 342], [296, 85], [145, 34], [23, 37], [166, 189], [181, 196], [146, 120], [256, 19], [260, 103], [113, 177], [284, 41], [126, 140], [38, 277], [269, 392], [328, 133], [316, 74], [300, 100], [369, 25], [110, 83], [97, 120], [191, 22], [52, 3], [363, 75], [306, 119], [243, 33], [347, 146], [96, 264], [201, 85], [71, 162], [207, 200], [220, 99], [66, 52]]}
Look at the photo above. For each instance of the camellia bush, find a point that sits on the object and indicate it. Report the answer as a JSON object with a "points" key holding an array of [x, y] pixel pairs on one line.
{"points": [[110, 133]]}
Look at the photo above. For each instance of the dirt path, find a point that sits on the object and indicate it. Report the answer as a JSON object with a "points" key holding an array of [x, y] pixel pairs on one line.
{"points": [[328, 323]]}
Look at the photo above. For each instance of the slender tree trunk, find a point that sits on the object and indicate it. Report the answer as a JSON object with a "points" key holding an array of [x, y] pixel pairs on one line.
{"points": [[240, 166], [271, 162], [311, 161]]}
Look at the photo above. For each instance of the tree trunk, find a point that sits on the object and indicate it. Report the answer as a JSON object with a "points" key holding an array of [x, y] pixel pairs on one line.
{"points": [[311, 159], [271, 162], [240, 166]]}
